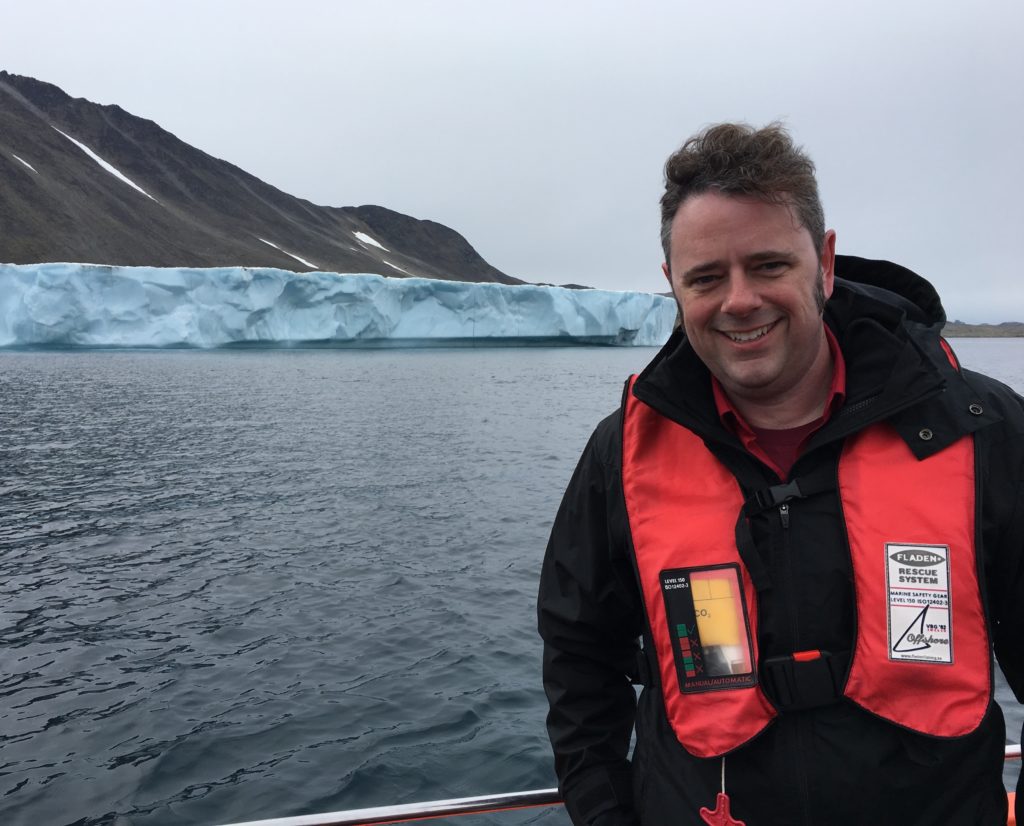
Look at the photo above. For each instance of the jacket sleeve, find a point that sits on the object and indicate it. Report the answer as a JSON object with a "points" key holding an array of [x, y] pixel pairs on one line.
{"points": [[589, 618], [1003, 529], [1008, 610]]}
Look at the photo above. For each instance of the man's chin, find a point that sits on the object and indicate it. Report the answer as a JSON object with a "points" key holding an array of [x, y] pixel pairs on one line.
{"points": [[750, 385]]}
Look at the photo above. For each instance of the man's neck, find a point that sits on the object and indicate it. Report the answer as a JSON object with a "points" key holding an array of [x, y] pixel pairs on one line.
{"points": [[802, 405]]}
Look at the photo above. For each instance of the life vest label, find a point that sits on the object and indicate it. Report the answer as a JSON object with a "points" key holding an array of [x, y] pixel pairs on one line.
{"points": [[917, 579], [708, 625]]}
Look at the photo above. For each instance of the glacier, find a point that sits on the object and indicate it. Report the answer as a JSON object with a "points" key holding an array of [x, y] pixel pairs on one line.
{"points": [[92, 305]]}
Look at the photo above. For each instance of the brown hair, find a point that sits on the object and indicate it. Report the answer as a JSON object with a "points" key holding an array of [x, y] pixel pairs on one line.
{"points": [[736, 159]]}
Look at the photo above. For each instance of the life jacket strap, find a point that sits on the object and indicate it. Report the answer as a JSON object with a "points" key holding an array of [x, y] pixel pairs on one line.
{"points": [[641, 673], [821, 480], [805, 679]]}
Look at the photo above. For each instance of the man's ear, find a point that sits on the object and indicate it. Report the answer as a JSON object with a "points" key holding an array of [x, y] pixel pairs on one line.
{"points": [[827, 262], [679, 312]]}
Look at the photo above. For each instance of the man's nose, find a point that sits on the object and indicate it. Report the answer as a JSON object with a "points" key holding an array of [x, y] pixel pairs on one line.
{"points": [[742, 296]]}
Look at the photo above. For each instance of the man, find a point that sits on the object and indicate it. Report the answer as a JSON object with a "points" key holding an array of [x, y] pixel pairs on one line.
{"points": [[813, 519]]}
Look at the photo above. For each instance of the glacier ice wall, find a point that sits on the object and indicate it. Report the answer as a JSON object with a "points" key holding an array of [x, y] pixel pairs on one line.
{"points": [[102, 306]]}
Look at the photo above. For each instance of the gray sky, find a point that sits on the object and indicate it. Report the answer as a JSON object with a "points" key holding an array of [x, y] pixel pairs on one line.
{"points": [[538, 129]]}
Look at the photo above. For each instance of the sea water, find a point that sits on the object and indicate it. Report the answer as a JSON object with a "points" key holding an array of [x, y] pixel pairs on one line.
{"points": [[236, 585]]}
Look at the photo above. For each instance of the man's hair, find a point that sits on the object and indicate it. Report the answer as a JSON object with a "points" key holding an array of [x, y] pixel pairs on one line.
{"points": [[736, 159]]}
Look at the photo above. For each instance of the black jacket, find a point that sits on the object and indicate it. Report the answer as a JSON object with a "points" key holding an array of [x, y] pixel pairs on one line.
{"points": [[835, 764]]}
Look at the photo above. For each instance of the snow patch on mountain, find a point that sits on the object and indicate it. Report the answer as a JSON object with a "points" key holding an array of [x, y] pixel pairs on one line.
{"points": [[107, 166], [289, 254], [367, 239], [24, 162]]}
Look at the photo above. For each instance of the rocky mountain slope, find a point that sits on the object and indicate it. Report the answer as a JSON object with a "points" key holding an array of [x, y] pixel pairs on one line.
{"points": [[94, 184]]}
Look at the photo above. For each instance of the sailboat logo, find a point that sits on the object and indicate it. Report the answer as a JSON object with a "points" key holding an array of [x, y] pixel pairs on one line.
{"points": [[914, 638]]}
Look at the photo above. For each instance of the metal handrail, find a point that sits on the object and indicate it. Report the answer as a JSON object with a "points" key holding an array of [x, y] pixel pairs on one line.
{"points": [[405, 812], [420, 811]]}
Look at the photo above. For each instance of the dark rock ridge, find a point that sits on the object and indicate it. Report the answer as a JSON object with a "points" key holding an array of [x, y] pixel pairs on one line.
{"points": [[202, 211], [961, 329]]}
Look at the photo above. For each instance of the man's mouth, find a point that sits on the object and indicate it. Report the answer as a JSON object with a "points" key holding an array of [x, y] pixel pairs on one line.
{"points": [[749, 335]]}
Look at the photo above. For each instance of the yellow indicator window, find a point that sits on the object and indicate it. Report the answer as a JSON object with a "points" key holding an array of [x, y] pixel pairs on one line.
{"points": [[718, 606]]}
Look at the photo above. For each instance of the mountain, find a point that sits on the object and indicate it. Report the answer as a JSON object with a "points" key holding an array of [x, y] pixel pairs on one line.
{"points": [[95, 184], [961, 329]]}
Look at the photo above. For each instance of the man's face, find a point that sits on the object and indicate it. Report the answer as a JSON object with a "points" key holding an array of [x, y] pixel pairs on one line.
{"points": [[750, 287]]}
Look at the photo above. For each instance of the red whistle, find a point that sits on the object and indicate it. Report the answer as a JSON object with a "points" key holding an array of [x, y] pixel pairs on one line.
{"points": [[720, 816]]}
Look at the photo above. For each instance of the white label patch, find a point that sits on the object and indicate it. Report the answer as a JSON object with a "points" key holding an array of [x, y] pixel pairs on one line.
{"points": [[917, 577]]}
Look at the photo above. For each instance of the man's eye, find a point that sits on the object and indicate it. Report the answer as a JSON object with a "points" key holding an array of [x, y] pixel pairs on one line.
{"points": [[772, 266], [703, 280]]}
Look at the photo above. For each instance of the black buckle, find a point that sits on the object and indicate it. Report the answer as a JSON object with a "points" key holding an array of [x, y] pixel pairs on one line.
{"points": [[804, 680], [777, 494]]}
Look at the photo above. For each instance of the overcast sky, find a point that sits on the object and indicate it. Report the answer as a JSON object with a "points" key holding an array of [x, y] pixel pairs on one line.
{"points": [[538, 130]]}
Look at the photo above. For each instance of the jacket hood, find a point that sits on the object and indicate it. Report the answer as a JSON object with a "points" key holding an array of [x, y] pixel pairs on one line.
{"points": [[893, 285]]}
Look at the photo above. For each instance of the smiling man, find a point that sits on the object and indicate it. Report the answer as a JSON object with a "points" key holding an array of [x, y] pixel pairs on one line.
{"points": [[810, 516]]}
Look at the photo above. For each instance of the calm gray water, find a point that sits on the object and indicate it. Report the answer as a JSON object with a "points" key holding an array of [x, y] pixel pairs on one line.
{"points": [[240, 584]]}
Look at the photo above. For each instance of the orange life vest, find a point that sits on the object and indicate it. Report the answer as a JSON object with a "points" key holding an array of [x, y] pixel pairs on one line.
{"points": [[921, 655]]}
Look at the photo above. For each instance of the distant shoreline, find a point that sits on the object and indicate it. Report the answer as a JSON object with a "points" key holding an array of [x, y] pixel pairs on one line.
{"points": [[1008, 329]]}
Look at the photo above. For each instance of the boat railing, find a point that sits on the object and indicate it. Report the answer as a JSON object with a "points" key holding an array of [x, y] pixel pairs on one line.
{"points": [[483, 804], [405, 812]]}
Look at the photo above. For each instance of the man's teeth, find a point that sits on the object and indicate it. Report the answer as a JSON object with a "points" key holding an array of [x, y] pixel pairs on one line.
{"points": [[750, 336]]}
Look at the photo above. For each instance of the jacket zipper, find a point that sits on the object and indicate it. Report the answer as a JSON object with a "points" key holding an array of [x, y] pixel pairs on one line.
{"points": [[799, 734], [784, 544]]}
